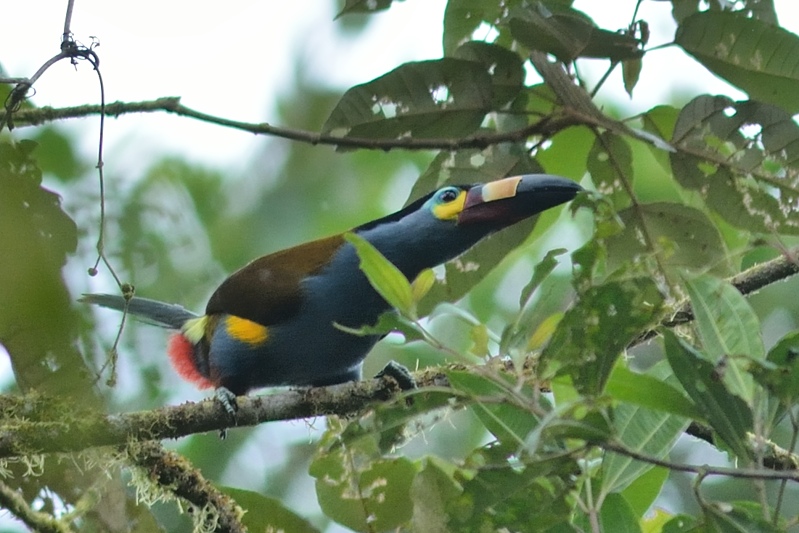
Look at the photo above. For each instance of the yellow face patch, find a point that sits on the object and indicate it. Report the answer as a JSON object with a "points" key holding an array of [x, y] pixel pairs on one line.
{"points": [[245, 330], [450, 210]]}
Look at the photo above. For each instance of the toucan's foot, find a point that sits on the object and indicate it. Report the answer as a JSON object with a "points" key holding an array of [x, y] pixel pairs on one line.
{"points": [[228, 400], [400, 373]]}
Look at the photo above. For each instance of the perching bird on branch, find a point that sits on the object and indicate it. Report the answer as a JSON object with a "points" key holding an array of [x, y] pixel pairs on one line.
{"points": [[272, 322]]}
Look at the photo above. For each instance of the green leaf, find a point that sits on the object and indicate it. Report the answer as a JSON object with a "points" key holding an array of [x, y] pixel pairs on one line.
{"points": [[610, 164], [581, 420], [568, 34], [652, 433], [57, 155], [462, 18], [510, 496], [386, 279], [434, 490], [445, 98], [263, 513], [644, 490], [505, 66], [516, 335], [683, 236], [386, 424], [780, 372], [567, 154], [735, 517], [682, 523], [469, 166], [543, 269], [729, 329], [616, 515], [508, 422], [631, 71], [648, 391], [727, 413], [753, 55], [659, 122], [388, 322], [595, 331]]}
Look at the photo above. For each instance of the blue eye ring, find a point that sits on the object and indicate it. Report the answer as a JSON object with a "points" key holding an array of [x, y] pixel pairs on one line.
{"points": [[447, 194]]}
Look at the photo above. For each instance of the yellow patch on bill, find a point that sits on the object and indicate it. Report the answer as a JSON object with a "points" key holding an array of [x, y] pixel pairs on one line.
{"points": [[245, 330], [452, 209], [500, 189], [194, 329]]}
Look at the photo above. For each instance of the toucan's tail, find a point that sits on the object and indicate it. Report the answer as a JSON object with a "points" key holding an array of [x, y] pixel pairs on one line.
{"points": [[162, 314]]}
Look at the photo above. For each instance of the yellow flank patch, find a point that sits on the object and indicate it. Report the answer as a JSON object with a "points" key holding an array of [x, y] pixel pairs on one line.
{"points": [[245, 330], [450, 210], [194, 329]]}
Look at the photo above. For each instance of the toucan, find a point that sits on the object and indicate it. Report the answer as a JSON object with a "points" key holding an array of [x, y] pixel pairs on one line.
{"points": [[273, 322]]}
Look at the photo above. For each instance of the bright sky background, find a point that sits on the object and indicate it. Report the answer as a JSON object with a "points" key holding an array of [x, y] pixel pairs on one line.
{"points": [[232, 62]]}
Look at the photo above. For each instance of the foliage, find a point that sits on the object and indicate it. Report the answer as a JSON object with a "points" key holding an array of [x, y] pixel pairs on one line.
{"points": [[564, 418]]}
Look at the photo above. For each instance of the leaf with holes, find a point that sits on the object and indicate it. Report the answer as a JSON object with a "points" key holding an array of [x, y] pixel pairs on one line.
{"points": [[743, 158], [505, 67], [684, 237], [610, 163], [445, 98], [757, 57], [356, 486], [598, 328]]}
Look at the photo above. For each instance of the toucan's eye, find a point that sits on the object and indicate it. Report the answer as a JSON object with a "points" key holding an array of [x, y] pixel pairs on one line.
{"points": [[448, 195]]}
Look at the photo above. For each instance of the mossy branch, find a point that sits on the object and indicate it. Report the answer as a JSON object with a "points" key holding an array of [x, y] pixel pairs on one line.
{"points": [[170, 471], [36, 424], [14, 503]]}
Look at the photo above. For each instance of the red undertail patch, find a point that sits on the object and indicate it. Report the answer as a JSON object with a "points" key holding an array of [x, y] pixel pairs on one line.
{"points": [[181, 355]]}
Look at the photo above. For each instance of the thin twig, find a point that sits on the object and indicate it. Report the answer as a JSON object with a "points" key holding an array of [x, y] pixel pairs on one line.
{"points": [[66, 36], [547, 126], [741, 473]]}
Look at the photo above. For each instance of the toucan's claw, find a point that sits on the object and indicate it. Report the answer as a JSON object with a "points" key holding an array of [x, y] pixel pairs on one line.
{"points": [[400, 373], [228, 400]]}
